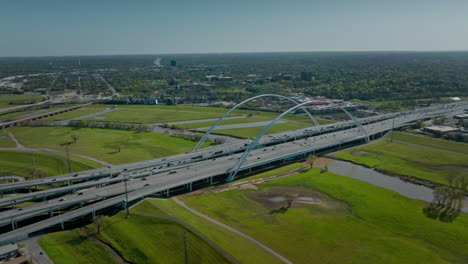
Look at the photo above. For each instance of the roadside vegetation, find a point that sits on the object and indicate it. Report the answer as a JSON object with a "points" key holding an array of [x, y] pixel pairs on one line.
{"points": [[250, 132], [137, 239], [317, 216], [110, 145], [7, 101], [430, 159], [37, 165]]}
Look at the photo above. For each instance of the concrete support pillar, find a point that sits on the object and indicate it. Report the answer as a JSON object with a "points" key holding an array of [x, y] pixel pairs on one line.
{"points": [[211, 180], [190, 186], [61, 225], [51, 213], [81, 205], [13, 225], [93, 214], [167, 193]]}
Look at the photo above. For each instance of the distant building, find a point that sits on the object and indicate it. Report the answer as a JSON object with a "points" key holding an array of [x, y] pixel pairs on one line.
{"points": [[307, 76], [462, 116], [173, 81], [173, 63], [212, 78], [440, 129]]}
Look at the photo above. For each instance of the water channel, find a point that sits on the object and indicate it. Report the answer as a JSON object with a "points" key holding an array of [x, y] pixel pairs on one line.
{"points": [[371, 176]]}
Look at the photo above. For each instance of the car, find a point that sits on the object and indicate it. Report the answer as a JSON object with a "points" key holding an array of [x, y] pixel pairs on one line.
{"points": [[80, 193], [63, 199], [146, 184], [172, 172], [143, 179]]}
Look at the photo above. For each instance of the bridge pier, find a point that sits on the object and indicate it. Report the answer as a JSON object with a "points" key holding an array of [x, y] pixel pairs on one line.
{"points": [[51, 213], [167, 193], [62, 225], [93, 214], [14, 225]]}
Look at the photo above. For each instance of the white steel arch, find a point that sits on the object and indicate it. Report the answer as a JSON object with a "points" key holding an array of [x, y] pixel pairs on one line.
{"points": [[207, 133], [254, 143]]}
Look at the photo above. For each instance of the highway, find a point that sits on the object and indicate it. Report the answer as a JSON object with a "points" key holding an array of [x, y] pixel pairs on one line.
{"points": [[187, 158], [162, 175]]}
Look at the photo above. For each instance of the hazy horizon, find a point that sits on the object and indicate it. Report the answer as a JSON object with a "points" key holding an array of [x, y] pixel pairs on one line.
{"points": [[90, 28]]}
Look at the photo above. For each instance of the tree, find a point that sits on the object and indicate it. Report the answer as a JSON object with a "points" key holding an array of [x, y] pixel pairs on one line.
{"points": [[310, 160], [462, 181], [98, 222], [37, 173], [450, 179], [118, 147], [74, 137]]}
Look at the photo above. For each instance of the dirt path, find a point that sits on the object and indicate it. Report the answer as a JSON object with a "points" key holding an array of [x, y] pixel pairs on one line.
{"points": [[195, 231], [265, 247], [18, 145]]}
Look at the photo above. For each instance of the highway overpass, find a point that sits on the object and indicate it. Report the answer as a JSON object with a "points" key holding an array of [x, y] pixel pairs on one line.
{"points": [[160, 176]]}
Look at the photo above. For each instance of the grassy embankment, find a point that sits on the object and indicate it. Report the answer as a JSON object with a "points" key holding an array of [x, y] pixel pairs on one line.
{"points": [[348, 221], [5, 140], [19, 163], [101, 143], [431, 160], [7, 101], [140, 239], [86, 110]]}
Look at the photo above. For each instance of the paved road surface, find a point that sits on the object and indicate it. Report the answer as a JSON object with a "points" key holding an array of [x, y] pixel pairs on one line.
{"points": [[198, 120], [243, 125], [67, 122], [270, 250], [33, 250]]}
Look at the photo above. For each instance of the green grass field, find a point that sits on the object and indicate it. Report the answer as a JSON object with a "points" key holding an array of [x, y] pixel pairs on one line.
{"points": [[415, 161], [7, 101], [5, 140], [101, 143], [349, 222], [140, 239], [250, 132], [256, 117], [242, 249], [431, 142], [90, 109], [19, 163]]}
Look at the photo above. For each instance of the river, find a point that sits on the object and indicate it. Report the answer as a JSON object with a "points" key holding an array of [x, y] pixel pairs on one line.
{"points": [[371, 176]]}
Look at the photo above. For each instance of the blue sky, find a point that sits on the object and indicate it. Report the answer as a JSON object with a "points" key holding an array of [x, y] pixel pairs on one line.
{"points": [[83, 27]]}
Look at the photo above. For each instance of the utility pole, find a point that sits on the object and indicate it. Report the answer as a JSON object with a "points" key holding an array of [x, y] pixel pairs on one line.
{"points": [[185, 248], [68, 156], [126, 196], [33, 160], [393, 128]]}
